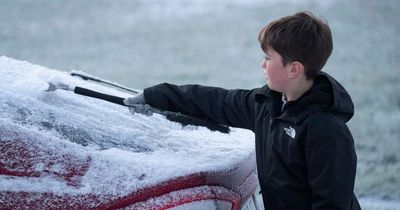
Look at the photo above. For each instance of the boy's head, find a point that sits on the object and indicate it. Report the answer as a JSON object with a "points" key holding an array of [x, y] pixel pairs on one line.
{"points": [[300, 37]]}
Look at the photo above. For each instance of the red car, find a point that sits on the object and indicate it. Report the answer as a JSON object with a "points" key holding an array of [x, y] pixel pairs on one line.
{"points": [[61, 150]]}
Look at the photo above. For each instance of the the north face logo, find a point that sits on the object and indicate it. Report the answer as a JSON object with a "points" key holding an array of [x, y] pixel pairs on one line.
{"points": [[290, 132]]}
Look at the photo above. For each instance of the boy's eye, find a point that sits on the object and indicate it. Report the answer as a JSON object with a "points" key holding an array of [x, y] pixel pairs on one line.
{"points": [[266, 58]]}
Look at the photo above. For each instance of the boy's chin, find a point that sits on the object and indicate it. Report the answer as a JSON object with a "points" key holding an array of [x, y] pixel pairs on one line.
{"points": [[271, 87]]}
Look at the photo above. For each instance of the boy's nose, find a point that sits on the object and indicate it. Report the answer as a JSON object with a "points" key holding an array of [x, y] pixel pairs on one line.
{"points": [[263, 63]]}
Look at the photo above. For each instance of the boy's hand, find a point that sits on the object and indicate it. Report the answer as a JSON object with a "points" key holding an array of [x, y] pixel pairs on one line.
{"points": [[137, 104]]}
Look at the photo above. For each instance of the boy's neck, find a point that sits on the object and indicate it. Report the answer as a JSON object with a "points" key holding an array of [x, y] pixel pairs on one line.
{"points": [[297, 89]]}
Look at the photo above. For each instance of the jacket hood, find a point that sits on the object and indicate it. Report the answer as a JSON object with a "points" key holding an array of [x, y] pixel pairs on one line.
{"points": [[342, 104], [326, 95]]}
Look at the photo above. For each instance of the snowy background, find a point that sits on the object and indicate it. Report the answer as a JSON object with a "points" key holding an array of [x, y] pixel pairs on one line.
{"points": [[144, 42]]}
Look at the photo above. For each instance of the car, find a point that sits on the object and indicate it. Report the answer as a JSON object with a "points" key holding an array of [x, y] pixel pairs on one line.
{"points": [[62, 150]]}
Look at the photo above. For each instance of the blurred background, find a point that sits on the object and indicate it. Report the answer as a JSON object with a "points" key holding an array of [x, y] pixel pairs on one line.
{"points": [[140, 43]]}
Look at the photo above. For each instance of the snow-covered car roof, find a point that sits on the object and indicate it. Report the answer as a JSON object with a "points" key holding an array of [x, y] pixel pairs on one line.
{"points": [[73, 145]]}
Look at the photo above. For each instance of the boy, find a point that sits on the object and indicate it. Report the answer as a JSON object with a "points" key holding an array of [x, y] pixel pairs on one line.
{"points": [[305, 152]]}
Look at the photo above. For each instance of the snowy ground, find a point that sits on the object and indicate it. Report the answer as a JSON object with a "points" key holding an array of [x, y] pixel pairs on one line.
{"points": [[141, 43], [377, 204]]}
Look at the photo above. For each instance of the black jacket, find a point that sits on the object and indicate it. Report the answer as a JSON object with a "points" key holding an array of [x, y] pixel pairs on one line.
{"points": [[305, 152]]}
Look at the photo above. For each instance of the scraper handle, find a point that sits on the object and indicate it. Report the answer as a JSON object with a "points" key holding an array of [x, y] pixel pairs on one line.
{"points": [[172, 116]]}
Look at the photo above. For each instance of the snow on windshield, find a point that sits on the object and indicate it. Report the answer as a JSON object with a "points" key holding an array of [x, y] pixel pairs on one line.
{"points": [[114, 151]]}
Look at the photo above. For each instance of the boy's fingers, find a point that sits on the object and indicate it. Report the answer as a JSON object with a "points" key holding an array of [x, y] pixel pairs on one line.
{"points": [[135, 100], [132, 110], [148, 110], [141, 109]]}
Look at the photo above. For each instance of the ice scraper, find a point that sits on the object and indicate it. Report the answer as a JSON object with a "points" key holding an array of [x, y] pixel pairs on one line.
{"points": [[172, 116]]}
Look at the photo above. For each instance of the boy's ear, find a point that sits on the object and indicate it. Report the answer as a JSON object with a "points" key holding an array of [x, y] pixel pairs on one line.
{"points": [[296, 69]]}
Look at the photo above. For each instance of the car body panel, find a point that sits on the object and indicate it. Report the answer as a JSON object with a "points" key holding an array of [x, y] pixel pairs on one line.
{"points": [[62, 150]]}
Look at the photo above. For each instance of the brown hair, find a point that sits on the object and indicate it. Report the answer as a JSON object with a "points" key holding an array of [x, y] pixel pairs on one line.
{"points": [[300, 37]]}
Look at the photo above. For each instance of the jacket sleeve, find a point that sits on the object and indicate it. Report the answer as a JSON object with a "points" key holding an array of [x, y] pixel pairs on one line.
{"points": [[230, 107], [331, 163]]}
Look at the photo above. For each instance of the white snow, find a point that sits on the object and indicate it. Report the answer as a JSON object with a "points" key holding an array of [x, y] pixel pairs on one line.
{"points": [[125, 152], [378, 204]]}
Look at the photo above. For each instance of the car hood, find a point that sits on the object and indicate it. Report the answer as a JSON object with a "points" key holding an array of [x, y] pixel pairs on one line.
{"points": [[63, 143]]}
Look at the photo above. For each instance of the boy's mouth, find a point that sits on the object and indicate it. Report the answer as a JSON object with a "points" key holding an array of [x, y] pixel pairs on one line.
{"points": [[265, 75]]}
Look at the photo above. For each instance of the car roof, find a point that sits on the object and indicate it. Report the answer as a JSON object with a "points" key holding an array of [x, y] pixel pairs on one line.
{"points": [[64, 143]]}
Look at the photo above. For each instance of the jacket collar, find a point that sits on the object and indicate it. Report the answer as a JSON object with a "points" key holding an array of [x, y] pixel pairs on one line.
{"points": [[326, 95]]}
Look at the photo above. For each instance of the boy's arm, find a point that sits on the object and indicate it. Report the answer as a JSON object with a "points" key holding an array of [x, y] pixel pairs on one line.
{"points": [[230, 107], [331, 162]]}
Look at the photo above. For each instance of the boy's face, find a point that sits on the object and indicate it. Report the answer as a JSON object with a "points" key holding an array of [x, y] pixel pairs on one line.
{"points": [[274, 71]]}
